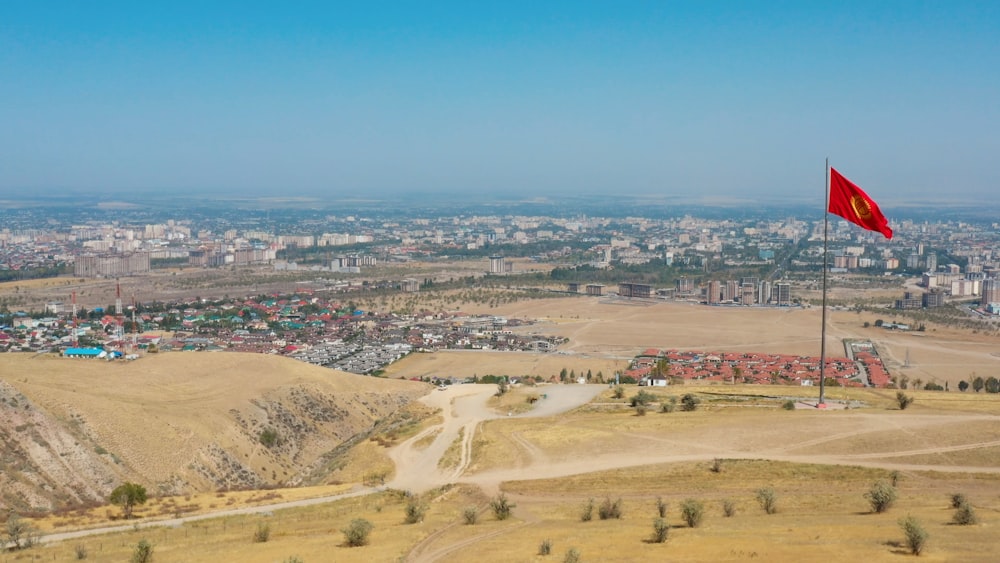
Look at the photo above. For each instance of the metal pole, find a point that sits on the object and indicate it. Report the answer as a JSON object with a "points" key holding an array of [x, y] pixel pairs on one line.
{"points": [[822, 339]]}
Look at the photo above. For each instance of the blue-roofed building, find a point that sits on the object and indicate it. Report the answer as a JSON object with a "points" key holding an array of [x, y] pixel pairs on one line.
{"points": [[84, 353]]}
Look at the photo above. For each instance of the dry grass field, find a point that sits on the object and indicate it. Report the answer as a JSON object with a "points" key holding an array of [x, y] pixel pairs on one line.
{"points": [[606, 328], [819, 463], [192, 422]]}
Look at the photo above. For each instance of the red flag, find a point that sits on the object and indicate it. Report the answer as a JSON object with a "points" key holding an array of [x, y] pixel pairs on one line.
{"points": [[852, 203]]}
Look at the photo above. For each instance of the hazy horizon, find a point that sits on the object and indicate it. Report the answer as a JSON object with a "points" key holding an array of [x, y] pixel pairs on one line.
{"points": [[704, 101]]}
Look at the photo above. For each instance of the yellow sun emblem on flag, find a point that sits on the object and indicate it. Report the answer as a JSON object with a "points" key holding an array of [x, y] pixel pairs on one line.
{"points": [[861, 207]]}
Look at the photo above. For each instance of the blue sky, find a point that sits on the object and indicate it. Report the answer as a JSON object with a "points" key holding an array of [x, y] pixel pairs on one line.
{"points": [[712, 98]]}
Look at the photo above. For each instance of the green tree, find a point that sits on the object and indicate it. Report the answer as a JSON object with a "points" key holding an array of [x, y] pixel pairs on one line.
{"points": [[978, 383], [128, 495], [992, 385], [963, 385]]}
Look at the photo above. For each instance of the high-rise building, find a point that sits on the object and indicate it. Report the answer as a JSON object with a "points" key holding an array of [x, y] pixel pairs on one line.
{"points": [[781, 294], [991, 291], [764, 292], [496, 265], [932, 262], [713, 293]]}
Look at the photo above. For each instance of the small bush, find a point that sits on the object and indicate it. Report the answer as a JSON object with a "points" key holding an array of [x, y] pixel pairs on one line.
{"points": [[642, 398], [692, 511], [143, 552], [881, 496], [269, 437], [356, 534], [610, 509], [262, 534], [661, 507], [660, 530], [958, 499], [415, 511], [768, 500], [965, 515], [501, 506], [716, 466], [728, 508], [916, 536], [669, 406], [903, 400], [689, 402], [619, 392], [572, 556], [788, 405], [80, 550], [293, 559], [640, 410], [470, 515], [587, 514], [545, 547]]}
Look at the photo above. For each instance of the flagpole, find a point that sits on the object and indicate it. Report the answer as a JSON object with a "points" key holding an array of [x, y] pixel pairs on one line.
{"points": [[822, 339]]}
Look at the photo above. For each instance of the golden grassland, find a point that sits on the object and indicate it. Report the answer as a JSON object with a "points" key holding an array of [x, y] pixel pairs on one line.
{"points": [[152, 412], [822, 513]]}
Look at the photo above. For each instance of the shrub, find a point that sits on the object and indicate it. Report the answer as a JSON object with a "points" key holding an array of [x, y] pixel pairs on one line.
{"points": [[660, 530], [293, 559], [143, 552], [269, 437], [669, 406], [642, 398], [903, 400], [80, 550], [572, 556], [619, 392], [965, 515], [716, 465], [768, 500], [588, 511], [661, 507], [958, 499], [471, 515], [356, 534], [640, 410], [262, 534], [895, 477], [415, 511], [689, 402], [610, 510], [545, 547], [501, 506], [916, 536], [728, 508], [881, 496], [692, 511], [20, 533], [788, 405]]}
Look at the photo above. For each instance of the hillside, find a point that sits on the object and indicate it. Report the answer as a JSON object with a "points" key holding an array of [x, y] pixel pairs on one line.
{"points": [[73, 429]]}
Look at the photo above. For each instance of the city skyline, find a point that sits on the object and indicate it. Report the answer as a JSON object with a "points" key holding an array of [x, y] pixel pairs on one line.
{"points": [[707, 101]]}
